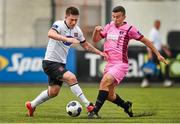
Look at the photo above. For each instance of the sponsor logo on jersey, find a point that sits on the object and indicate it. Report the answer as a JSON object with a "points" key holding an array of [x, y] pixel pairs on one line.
{"points": [[67, 43], [113, 37]]}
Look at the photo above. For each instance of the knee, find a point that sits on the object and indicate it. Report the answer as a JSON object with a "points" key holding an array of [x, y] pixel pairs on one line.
{"points": [[108, 79], [111, 97], [53, 92], [72, 79], [103, 86], [105, 83]]}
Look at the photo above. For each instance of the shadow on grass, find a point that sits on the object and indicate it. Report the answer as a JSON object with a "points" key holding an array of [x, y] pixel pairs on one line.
{"points": [[64, 117], [139, 114], [142, 114]]}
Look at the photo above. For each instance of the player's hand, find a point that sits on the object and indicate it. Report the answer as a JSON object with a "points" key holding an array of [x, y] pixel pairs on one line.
{"points": [[98, 28], [105, 55], [162, 59], [73, 40]]}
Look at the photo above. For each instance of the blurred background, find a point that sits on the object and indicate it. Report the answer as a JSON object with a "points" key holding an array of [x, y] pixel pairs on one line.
{"points": [[23, 36]]}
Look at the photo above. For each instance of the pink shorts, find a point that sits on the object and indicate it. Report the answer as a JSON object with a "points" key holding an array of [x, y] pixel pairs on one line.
{"points": [[118, 71]]}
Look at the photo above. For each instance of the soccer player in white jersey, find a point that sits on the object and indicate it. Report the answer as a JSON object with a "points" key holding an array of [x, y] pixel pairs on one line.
{"points": [[62, 35]]}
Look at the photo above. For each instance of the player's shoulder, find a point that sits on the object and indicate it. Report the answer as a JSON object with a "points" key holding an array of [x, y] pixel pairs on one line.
{"points": [[128, 25], [110, 24], [58, 25], [59, 22], [131, 27]]}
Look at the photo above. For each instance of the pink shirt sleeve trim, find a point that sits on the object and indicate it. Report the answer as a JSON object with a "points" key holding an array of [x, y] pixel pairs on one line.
{"points": [[140, 37], [102, 35]]}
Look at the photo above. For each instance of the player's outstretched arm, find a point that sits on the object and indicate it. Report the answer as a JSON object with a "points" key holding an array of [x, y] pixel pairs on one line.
{"points": [[96, 34], [151, 46], [87, 46], [54, 35]]}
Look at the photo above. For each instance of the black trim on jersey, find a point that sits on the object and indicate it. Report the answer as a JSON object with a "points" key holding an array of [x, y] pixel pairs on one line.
{"points": [[125, 46], [83, 41], [66, 24], [102, 36], [129, 29], [140, 37], [55, 30]]}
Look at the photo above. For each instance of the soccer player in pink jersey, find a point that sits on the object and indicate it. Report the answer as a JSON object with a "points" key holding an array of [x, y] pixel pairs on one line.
{"points": [[117, 35]]}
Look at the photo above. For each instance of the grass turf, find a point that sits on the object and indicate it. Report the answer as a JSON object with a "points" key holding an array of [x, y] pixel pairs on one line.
{"points": [[155, 104]]}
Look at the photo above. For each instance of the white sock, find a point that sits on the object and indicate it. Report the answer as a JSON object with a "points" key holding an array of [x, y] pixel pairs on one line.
{"points": [[42, 97], [78, 92]]}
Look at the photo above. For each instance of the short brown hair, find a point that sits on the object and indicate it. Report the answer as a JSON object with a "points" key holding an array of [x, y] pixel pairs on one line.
{"points": [[119, 9], [72, 11]]}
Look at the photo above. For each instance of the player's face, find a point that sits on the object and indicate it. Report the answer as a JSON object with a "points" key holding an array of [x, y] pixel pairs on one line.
{"points": [[71, 20], [118, 18], [157, 25]]}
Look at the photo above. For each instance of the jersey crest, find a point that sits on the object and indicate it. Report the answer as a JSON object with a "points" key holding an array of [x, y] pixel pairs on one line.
{"points": [[75, 34]]}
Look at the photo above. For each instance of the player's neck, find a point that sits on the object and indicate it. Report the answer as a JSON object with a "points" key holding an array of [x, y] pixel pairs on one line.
{"points": [[120, 24]]}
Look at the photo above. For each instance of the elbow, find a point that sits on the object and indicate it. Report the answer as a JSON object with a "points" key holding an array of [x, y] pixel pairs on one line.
{"points": [[86, 48], [95, 40], [49, 34]]}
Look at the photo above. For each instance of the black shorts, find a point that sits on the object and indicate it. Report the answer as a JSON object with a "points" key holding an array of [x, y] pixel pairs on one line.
{"points": [[55, 72]]}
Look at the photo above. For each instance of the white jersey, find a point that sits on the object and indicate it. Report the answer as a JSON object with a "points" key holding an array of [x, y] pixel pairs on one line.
{"points": [[155, 37], [57, 51]]}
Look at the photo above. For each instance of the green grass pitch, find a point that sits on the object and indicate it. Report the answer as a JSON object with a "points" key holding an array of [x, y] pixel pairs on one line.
{"points": [[155, 104]]}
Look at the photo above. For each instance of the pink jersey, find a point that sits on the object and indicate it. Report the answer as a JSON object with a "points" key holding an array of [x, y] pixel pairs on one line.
{"points": [[117, 38]]}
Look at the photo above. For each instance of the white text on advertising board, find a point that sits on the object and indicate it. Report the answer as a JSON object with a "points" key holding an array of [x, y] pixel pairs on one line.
{"points": [[22, 64]]}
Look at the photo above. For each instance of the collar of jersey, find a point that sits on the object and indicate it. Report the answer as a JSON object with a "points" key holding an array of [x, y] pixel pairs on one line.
{"points": [[66, 24], [124, 23]]}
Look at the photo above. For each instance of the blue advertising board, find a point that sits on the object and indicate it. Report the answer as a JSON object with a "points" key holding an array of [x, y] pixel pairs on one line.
{"points": [[21, 65]]}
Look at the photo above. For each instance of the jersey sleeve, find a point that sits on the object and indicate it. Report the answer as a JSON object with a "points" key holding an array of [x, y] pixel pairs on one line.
{"points": [[56, 26], [81, 37], [103, 33], [135, 34]]}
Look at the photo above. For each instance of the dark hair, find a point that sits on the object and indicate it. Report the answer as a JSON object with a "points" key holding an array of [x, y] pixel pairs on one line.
{"points": [[119, 9], [72, 10], [157, 21]]}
